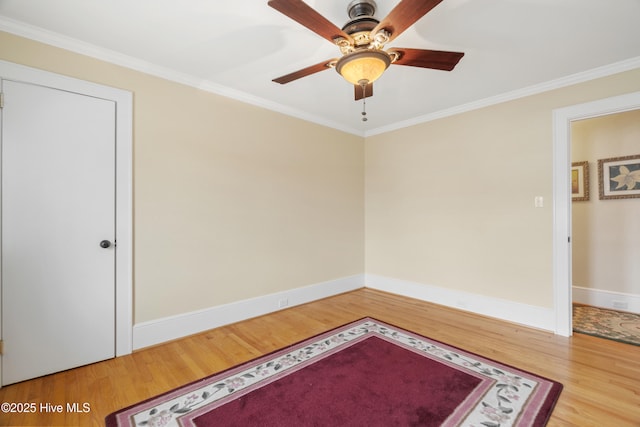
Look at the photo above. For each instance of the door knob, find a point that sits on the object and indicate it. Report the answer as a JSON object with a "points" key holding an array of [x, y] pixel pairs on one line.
{"points": [[105, 244]]}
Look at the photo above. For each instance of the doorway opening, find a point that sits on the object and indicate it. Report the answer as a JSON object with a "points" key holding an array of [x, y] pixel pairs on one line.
{"points": [[562, 256]]}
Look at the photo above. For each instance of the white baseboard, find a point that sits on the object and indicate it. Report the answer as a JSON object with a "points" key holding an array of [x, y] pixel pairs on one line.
{"points": [[158, 331], [524, 314], [169, 328], [607, 299]]}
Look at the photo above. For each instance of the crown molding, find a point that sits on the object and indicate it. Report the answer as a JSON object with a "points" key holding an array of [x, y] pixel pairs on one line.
{"points": [[604, 71], [55, 39], [78, 46]]}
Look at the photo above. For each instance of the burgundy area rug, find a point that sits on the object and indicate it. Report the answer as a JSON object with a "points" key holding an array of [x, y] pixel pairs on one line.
{"points": [[366, 373]]}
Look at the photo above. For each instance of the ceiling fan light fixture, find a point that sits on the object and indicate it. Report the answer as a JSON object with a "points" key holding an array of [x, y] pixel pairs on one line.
{"points": [[363, 66]]}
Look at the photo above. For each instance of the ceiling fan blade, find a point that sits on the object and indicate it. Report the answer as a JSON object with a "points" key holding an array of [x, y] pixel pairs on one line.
{"points": [[302, 13], [404, 15], [436, 59], [368, 91], [304, 72]]}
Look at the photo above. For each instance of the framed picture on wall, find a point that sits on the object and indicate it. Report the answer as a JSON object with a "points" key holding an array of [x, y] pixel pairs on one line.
{"points": [[619, 177], [579, 181]]}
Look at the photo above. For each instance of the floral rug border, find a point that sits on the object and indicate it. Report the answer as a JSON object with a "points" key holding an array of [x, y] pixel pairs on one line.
{"points": [[506, 396]]}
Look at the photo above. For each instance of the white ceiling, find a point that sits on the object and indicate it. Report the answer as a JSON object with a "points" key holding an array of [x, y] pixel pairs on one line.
{"points": [[235, 48]]}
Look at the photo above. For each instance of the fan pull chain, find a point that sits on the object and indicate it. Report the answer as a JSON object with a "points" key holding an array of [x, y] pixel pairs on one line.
{"points": [[364, 102]]}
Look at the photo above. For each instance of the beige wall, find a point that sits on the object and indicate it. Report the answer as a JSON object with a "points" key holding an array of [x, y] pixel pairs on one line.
{"points": [[450, 203], [233, 202], [606, 248], [230, 201]]}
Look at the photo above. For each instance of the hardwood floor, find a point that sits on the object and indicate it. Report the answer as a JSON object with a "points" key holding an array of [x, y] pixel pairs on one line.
{"points": [[601, 378]]}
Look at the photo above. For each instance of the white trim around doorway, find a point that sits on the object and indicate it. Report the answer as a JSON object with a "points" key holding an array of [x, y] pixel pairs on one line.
{"points": [[562, 118]]}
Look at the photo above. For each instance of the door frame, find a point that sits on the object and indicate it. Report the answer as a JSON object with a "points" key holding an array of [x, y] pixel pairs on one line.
{"points": [[562, 118], [124, 185]]}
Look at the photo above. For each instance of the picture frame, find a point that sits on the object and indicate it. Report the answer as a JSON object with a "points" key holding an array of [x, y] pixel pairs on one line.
{"points": [[580, 181], [619, 177]]}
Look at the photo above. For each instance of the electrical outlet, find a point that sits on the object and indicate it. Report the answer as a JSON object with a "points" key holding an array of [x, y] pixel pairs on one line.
{"points": [[283, 303], [620, 305]]}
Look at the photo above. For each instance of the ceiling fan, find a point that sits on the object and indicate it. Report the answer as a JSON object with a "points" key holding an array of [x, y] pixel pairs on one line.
{"points": [[362, 39]]}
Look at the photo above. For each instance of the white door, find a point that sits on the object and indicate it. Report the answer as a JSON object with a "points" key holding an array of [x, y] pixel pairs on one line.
{"points": [[58, 205]]}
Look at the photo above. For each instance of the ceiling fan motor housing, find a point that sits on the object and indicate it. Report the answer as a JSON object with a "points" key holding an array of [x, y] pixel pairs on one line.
{"points": [[362, 21], [361, 24]]}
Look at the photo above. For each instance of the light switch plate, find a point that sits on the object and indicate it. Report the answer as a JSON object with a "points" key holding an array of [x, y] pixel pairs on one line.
{"points": [[538, 201]]}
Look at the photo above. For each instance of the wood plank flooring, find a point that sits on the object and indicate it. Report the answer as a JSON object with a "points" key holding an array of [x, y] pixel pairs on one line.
{"points": [[601, 378]]}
